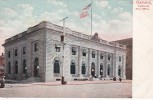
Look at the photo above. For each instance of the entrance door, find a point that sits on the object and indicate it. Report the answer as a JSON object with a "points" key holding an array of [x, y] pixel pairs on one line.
{"points": [[36, 65], [93, 69], [101, 70]]}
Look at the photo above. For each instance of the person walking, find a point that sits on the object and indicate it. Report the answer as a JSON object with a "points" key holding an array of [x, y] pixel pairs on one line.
{"points": [[120, 79]]}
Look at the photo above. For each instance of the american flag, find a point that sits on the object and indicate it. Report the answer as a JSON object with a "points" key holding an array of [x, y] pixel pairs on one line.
{"points": [[87, 7], [84, 12]]}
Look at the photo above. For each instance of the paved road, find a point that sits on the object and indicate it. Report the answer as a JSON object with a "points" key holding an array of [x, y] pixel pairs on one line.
{"points": [[96, 90]]}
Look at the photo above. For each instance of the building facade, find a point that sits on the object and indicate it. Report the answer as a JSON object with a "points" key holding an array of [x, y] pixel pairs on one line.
{"points": [[128, 42], [38, 52]]}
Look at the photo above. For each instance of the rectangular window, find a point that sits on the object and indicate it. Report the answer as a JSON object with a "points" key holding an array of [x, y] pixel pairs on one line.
{"points": [[84, 52], [109, 57], [119, 58], [9, 67], [9, 54], [36, 47], [16, 67], [101, 56], [57, 49], [24, 50], [16, 52], [73, 50], [93, 54]]}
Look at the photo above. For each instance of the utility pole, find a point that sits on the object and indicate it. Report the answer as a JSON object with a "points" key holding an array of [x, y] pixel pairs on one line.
{"points": [[63, 43]]}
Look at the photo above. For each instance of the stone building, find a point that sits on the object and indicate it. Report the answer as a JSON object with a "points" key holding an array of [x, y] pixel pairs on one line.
{"points": [[38, 52], [128, 42]]}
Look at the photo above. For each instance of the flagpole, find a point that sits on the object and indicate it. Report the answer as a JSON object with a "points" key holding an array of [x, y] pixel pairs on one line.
{"points": [[91, 17]]}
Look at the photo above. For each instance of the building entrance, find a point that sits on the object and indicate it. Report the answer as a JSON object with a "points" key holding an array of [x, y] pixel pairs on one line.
{"points": [[93, 69], [36, 67]]}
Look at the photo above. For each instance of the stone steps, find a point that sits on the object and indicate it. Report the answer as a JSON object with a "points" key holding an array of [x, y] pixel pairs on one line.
{"points": [[32, 79]]}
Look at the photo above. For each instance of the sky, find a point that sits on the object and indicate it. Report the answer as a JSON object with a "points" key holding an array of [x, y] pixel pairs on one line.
{"points": [[112, 19]]}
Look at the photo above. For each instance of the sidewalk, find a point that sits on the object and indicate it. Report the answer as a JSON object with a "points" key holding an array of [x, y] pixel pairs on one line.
{"points": [[57, 83]]}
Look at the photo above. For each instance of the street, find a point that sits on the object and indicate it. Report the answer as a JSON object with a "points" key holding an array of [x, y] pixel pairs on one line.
{"points": [[78, 89]]}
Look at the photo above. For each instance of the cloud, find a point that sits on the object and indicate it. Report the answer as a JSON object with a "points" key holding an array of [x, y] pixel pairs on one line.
{"points": [[57, 3], [102, 4], [120, 26], [96, 16], [27, 9], [117, 10], [75, 13], [9, 12]]}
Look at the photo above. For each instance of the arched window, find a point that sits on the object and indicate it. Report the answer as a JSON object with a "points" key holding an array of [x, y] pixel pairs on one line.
{"points": [[93, 54], [16, 67], [36, 47], [24, 66], [36, 66], [83, 68], [56, 66], [9, 67], [119, 70], [108, 70], [101, 69], [84, 52], [72, 69]]}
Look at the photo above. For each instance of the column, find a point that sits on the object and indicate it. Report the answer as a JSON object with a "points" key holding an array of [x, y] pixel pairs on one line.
{"points": [[114, 64], [105, 65], [98, 64], [124, 67], [89, 63], [79, 61]]}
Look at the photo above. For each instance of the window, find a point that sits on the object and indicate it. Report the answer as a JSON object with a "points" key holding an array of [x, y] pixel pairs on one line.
{"points": [[73, 50], [101, 56], [93, 54], [57, 49], [101, 69], [9, 67], [16, 52], [119, 58], [84, 52], [24, 50], [9, 54], [83, 68], [16, 67], [72, 70], [108, 70], [36, 67], [36, 47], [56, 66], [119, 70], [108, 56], [24, 66]]}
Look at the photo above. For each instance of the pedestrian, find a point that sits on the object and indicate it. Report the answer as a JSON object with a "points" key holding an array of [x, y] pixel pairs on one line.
{"points": [[114, 78], [120, 79], [95, 76]]}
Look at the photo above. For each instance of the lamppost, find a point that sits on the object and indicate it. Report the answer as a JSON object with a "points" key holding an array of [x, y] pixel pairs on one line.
{"points": [[62, 41]]}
